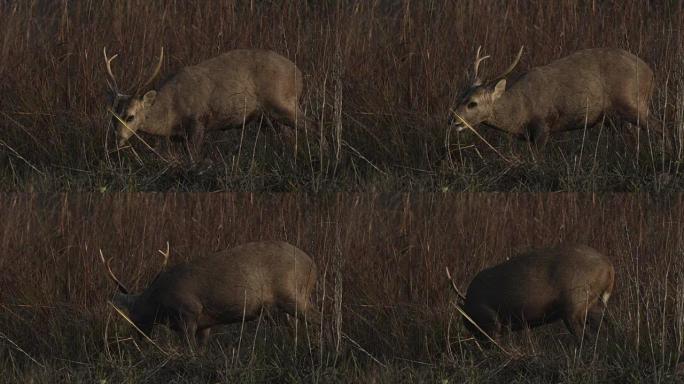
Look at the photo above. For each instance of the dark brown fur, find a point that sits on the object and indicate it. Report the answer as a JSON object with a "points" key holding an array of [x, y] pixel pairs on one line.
{"points": [[539, 287], [224, 288], [223, 92], [574, 92]]}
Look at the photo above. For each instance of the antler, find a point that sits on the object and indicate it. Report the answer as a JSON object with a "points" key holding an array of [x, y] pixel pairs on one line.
{"points": [[111, 82], [165, 254], [453, 285], [478, 59], [121, 287], [156, 71], [513, 65], [113, 86], [108, 63], [112, 79]]}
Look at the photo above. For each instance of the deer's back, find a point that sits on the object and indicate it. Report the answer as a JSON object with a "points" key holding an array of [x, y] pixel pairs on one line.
{"points": [[265, 73], [597, 65], [583, 86], [535, 283], [249, 275], [233, 86]]}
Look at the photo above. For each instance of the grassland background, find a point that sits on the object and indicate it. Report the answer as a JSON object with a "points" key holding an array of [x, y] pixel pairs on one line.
{"points": [[382, 261], [380, 76]]}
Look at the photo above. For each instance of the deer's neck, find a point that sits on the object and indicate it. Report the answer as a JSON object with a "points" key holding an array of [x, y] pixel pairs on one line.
{"points": [[125, 301], [144, 311], [509, 112], [161, 118]]}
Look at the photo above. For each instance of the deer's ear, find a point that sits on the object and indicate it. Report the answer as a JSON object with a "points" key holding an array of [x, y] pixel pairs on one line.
{"points": [[148, 98], [499, 89]]}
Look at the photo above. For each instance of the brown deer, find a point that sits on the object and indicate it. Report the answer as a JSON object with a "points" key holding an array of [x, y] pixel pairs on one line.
{"points": [[226, 287], [570, 282], [574, 92], [224, 92]]}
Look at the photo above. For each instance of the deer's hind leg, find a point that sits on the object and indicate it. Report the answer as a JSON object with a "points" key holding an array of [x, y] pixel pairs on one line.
{"points": [[298, 125], [638, 114], [202, 337], [597, 316], [579, 312], [304, 311]]}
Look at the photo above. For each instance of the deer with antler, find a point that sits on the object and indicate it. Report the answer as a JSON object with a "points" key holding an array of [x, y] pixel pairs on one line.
{"points": [[570, 282], [231, 286], [227, 91], [574, 92]]}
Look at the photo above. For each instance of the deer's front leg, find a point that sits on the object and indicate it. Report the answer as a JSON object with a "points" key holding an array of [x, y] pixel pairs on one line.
{"points": [[538, 133], [196, 132], [203, 337]]}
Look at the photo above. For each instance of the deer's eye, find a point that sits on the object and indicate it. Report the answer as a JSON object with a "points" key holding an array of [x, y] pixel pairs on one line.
{"points": [[128, 119], [472, 105]]}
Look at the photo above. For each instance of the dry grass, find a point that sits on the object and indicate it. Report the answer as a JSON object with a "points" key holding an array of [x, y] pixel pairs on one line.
{"points": [[383, 257], [380, 76]]}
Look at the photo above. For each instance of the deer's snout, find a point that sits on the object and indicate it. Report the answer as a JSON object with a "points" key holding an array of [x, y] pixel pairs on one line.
{"points": [[454, 122]]}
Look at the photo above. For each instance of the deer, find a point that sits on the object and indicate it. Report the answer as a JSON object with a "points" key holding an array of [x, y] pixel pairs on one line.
{"points": [[574, 92], [224, 92], [225, 287], [570, 282]]}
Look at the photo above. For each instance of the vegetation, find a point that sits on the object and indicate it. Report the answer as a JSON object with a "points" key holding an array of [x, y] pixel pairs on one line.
{"points": [[388, 307], [380, 77]]}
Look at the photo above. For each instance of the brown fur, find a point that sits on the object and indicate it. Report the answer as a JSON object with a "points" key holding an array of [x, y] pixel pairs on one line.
{"points": [[570, 93], [226, 287], [538, 287], [220, 93]]}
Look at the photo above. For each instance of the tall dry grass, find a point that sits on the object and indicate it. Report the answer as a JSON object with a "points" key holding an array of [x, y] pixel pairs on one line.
{"points": [[380, 76], [382, 261]]}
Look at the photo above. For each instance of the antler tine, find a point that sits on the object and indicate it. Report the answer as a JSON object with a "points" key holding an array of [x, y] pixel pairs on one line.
{"points": [[453, 285], [478, 59], [108, 64], [165, 254], [121, 287], [513, 65], [157, 68]]}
